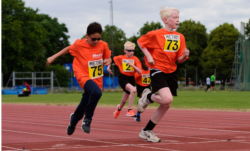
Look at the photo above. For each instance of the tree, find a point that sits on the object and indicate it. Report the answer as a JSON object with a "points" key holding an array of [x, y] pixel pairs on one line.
{"points": [[143, 30], [56, 38], [22, 37], [119, 39], [247, 29], [219, 53], [196, 41]]}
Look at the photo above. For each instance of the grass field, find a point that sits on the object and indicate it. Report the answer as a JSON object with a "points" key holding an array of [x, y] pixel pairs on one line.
{"points": [[219, 100]]}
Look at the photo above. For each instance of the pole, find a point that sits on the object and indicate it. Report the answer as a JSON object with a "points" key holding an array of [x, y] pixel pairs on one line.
{"points": [[14, 79], [185, 79], [112, 41], [196, 78]]}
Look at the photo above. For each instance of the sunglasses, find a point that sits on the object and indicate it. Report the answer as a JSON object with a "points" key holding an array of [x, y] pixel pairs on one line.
{"points": [[130, 50], [94, 39]]}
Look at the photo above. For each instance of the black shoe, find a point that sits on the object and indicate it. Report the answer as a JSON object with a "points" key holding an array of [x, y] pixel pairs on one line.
{"points": [[70, 129], [86, 125], [137, 118]]}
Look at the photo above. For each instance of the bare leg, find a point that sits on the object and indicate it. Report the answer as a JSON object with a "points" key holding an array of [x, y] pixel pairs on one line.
{"points": [[165, 99], [132, 91], [124, 100]]}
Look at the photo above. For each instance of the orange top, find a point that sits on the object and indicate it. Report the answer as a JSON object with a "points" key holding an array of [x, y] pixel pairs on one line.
{"points": [[143, 79], [165, 47], [88, 61], [122, 62]]}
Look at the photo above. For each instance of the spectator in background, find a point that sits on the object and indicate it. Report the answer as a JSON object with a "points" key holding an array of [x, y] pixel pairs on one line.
{"points": [[213, 82], [26, 91], [208, 84]]}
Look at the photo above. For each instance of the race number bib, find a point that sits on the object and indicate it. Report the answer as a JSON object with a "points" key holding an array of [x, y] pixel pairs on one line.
{"points": [[95, 68], [126, 67], [146, 79], [172, 43]]}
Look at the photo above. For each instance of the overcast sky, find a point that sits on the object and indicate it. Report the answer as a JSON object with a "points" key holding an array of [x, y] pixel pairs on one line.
{"points": [[130, 15]]}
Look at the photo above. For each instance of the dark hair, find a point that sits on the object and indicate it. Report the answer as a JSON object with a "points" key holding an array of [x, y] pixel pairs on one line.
{"points": [[94, 28], [142, 59]]}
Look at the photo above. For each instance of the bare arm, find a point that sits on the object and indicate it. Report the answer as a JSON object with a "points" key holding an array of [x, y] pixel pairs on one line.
{"points": [[107, 61], [135, 67], [60, 53], [150, 59], [183, 58], [109, 70]]}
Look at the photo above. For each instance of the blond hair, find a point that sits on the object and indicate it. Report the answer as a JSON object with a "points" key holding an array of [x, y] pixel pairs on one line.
{"points": [[129, 44], [166, 12]]}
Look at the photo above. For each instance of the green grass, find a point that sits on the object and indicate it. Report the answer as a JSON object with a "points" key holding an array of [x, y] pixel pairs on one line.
{"points": [[220, 100]]}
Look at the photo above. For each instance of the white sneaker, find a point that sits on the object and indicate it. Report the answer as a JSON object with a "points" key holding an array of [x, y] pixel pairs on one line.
{"points": [[149, 135], [143, 102]]}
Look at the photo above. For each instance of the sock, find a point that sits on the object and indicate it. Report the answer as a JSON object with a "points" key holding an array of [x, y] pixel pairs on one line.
{"points": [[149, 126], [138, 114], [129, 110], [149, 97]]}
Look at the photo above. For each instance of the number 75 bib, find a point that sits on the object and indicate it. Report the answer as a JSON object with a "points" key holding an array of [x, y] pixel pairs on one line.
{"points": [[126, 67], [172, 43], [95, 68]]}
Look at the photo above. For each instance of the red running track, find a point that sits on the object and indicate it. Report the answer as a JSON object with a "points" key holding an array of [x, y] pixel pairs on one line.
{"points": [[38, 127]]}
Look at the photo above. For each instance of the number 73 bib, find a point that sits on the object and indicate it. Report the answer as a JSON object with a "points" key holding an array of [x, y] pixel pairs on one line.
{"points": [[126, 67], [172, 43], [95, 68]]}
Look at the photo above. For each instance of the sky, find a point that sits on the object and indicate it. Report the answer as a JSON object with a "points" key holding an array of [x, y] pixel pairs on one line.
{"points": [[131, 15]]}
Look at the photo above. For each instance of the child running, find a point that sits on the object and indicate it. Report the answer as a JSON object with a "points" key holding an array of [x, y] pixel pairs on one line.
{"points": [[128, 65], [162, 48], [143, 81], [88, 68]]}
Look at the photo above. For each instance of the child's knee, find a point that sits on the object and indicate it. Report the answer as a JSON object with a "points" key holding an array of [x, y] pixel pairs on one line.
{"points": [[133, 91], [167, 101], [98, 92]]}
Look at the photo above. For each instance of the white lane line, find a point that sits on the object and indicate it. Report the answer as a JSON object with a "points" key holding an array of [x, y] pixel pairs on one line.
{"points": [[117, 144], [169, 115], [177, 127], [120, 131], [11, 148], [164, 120]]}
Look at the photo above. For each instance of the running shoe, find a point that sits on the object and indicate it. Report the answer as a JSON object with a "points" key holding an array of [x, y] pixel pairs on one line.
{"points": [[130, 113], [70, 128], [149, 136], [137, 118], [143, 102], [86, 125], [117, 113]]}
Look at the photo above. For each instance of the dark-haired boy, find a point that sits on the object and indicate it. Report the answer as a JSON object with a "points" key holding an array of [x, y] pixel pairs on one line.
{"points": [[88, 68]]}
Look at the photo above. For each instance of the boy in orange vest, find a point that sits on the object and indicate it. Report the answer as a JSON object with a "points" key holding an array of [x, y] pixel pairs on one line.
{"points": [[89, 54], [128, 65], [162, 48]]}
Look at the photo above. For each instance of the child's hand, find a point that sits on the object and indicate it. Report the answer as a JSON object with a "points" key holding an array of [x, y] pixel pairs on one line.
{"points": [[110, 71], [186, 52], [129, 63], [107, 62], [50, 60], [150, 59]]}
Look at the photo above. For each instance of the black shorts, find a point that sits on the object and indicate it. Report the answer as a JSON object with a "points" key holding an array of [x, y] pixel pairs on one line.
{"points": [[123, 80], [161, 80], [208, 86], [140, 89], [212, 84]]}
